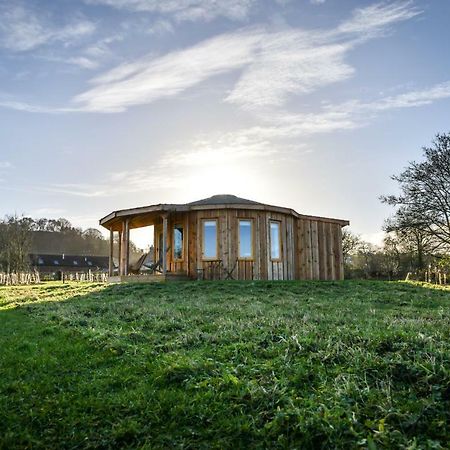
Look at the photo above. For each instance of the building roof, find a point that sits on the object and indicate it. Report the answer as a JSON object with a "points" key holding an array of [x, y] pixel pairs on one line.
{"points": [[222, 201], [72, 261]]}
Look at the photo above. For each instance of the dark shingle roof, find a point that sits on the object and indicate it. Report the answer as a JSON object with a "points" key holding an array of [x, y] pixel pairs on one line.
{"points": [[223, 199], [82, 262]]}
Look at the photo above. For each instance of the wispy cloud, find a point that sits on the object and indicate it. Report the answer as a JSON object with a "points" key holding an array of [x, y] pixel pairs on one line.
{"points": [[344, 116], [287, 63], [275, 65], [30, 108], [81, 61], [299, 62], [374, 18], [409, 99], [160, 27], [5, 165], [150, 79], [185, 9], [23, 29], [219, 148]]}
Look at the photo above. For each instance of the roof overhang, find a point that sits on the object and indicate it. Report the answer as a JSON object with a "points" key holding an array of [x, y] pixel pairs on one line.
{"points": [[153, 211]]}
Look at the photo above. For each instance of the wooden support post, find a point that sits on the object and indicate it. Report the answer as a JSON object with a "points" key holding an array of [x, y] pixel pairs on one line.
{"points": [[127, 247], [164, 249], [186, 244], [120, 253], [111, 252]]}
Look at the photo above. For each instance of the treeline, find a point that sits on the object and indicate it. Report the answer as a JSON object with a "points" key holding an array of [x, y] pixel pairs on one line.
{"points": [[394, 259], [417, 240], [21, 236], [60, 236]]}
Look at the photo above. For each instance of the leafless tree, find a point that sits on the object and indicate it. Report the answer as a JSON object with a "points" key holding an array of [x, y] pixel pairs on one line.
{"points": [[424, 202], [15, 243]]}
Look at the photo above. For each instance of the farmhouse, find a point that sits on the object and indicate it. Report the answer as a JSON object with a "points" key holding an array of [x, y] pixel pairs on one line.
{"points": [[54, 265], [227, 237]]}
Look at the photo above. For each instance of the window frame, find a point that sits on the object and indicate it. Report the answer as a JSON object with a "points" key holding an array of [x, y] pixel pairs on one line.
{"points": [[210, 258], [252, 239], [180, 225], [280, 242]]}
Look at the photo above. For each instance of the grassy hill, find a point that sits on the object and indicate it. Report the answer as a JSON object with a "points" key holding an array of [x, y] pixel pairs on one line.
{"points": [[225, 365]]}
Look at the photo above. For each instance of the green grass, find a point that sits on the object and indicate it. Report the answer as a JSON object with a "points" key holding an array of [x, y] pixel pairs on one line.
{"points": [[304, 365]]}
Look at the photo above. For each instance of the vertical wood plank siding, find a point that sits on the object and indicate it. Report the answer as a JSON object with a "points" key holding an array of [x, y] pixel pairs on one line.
{"points": [[311, 249]]}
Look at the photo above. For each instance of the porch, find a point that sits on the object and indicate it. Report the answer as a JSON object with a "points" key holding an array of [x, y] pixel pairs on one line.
{"points": [[165, 265]]}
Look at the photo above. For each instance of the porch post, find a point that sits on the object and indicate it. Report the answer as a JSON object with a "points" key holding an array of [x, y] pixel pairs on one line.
{"points": [[186, 245], [120, 253], [127, 247], [111, 252], [164, 249]]}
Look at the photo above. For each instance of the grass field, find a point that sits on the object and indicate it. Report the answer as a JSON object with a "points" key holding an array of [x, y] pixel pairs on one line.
{"points": [[304, 365]]}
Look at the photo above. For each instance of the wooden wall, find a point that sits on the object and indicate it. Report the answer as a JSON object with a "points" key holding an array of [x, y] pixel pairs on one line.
{"points": [[319, 255], [311, 249]]}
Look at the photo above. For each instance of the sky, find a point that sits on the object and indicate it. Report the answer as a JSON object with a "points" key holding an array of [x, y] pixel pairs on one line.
{"points": [[308, 104]]}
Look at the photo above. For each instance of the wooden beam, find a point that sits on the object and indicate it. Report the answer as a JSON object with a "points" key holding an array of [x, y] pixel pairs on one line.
{"points": [[111, 252], [164, 249]]}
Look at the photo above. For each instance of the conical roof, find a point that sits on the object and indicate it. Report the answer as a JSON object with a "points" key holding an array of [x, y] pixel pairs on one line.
{"points": [[224, 199]]}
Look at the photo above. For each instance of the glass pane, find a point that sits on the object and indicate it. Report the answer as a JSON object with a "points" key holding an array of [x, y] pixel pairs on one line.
{"points": [[178, 242], [209, 239], [274, 240], [245, 238]]}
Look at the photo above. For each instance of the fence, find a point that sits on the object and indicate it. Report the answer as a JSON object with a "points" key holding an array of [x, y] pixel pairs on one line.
{"points": [[434, 275], [12, 279], [97, 277], [9, 279]]}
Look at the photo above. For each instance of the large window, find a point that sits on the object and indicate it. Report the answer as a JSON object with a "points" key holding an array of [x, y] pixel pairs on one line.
{"points": [[210, 239], [245, 239], [275, 240], [178, 242]]}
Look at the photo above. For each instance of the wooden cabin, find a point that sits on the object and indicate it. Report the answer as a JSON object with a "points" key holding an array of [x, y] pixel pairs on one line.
{"points": [[227, 237]]}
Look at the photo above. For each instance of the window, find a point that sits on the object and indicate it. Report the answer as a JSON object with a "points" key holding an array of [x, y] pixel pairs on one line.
{"points": [[209, 239], [245, 239], [275, 240], [178, 242]]}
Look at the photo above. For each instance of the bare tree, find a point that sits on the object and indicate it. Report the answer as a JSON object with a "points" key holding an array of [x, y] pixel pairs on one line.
{"points": [[15, 243], [424, 202], [350, 243]]}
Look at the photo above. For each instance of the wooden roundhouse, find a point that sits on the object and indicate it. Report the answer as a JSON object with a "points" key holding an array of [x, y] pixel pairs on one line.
{"points": [[227, 237]]}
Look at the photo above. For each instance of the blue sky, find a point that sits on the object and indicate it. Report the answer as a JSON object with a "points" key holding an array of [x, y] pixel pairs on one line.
{"points": [[310, 104]]}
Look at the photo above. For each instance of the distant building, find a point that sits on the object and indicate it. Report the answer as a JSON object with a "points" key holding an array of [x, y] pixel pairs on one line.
{"points": [[54, 265]]}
